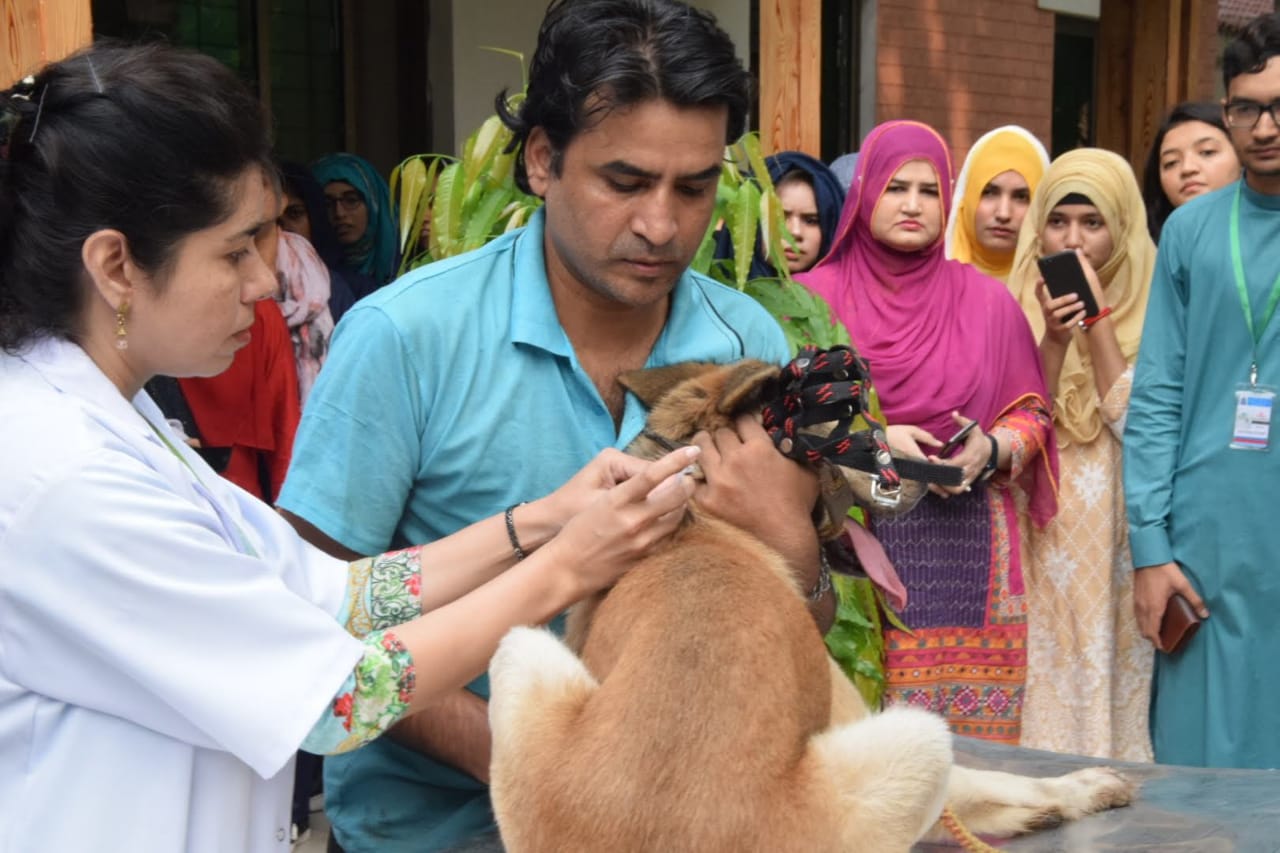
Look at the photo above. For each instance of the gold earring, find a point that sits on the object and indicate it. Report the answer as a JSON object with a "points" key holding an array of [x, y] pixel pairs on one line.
{"points": [[122, 334]]}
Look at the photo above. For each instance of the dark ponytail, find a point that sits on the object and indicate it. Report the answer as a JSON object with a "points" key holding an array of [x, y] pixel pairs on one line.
{"points": [[147, 140]]}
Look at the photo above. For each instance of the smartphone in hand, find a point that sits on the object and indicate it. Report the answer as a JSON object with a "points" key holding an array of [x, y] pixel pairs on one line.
{"points": [[957, 439], [1063, 274]]}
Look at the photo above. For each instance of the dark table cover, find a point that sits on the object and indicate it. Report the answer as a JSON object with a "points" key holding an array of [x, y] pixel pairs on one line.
{"points": [[1179, 809]]}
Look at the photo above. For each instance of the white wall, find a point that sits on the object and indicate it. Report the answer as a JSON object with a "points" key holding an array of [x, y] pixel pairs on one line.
{"points": [[478, 75]]}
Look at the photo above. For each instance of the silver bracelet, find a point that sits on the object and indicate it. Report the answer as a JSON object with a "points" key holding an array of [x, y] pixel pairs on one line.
{"points": [[823, 584], [511, 531]]}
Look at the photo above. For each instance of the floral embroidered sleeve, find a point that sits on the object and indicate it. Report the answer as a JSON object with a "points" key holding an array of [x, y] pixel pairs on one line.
{"points": [[383, 592], [1026, 427]]}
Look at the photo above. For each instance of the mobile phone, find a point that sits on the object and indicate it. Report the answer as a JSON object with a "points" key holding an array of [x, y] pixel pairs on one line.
{"points": [[957, 439], [1063, 274]]}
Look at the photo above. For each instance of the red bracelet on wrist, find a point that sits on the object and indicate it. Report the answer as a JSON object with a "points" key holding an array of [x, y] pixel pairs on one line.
{"points": [[1089, 321]]}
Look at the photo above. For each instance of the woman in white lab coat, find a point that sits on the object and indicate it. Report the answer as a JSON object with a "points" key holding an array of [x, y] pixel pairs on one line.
{"points": [[166, 641]]}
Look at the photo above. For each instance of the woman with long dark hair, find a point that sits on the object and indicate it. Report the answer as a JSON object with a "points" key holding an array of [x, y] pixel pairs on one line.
{"points": [[1190, 156], [168, 641]]}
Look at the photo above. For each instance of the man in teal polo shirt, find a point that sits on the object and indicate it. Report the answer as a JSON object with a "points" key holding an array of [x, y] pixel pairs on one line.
{"points": [[489, 379]]}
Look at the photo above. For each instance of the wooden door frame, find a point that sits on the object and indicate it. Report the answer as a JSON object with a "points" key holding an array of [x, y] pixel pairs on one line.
{"points": [[37, 32]]}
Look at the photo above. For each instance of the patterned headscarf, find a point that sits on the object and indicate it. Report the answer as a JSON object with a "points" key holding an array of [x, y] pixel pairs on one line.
{"points": [[374, 254], [1108, 181], [1008, 148], [303, 295]]}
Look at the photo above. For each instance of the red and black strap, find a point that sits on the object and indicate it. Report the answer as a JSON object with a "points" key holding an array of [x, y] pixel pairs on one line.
{"points": [[831, 385]]}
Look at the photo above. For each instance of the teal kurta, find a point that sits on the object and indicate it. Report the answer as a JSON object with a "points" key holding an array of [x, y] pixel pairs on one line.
{"points": [[1194, 500]]}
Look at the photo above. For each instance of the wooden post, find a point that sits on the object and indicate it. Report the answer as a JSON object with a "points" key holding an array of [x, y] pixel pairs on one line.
{"points": [[1151, 55], [791, 76], [37, 32]]}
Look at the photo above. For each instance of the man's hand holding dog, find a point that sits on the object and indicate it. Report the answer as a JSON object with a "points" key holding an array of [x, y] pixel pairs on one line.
{"points": [[753, 486]]}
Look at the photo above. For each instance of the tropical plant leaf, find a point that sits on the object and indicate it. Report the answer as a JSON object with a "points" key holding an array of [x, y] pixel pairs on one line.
{"points": [[446, 212], [743, 217], [481, 221], [519, 217], [855, 640], [755, 159], [413, 184], [485, 144], [773, 229], [706, 250]]}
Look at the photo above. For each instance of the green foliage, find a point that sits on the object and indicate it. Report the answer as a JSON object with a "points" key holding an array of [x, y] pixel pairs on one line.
{"points": [[748, 208], [471, 199], [856, 640]]}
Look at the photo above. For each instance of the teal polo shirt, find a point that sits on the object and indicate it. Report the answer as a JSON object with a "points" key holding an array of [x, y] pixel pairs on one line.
{"points": [[446, 397]]}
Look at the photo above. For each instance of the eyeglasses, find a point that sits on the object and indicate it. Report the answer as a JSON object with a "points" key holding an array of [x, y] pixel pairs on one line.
{"points": [[1247, 113], [348, 201]]}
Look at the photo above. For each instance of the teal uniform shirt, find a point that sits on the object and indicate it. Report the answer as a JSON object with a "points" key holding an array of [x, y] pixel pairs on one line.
{"points": [[446, 397], [1194, 500]]}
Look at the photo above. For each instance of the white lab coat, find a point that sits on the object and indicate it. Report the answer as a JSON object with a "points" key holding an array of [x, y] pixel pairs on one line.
{"points": [[154, 681]]}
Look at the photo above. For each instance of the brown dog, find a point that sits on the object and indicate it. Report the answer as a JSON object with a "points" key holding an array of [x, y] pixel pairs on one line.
{"points": [[703, 713]]}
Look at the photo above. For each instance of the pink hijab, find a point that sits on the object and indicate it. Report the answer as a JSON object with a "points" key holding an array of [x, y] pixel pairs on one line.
{"points": [[939, 335]]}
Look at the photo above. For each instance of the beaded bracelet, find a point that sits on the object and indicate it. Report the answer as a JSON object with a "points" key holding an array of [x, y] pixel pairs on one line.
{"points": [[823, 584], [511, 531]]}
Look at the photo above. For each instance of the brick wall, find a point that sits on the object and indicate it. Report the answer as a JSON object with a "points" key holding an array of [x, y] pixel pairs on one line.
{"points": [[965, 66]]}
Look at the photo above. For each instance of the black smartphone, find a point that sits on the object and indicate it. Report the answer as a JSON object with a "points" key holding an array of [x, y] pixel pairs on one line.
{"points": [[1063, 274], [957, 439]]}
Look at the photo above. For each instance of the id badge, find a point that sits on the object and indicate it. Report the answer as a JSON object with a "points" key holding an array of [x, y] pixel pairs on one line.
{"points": [[1252, 429]]}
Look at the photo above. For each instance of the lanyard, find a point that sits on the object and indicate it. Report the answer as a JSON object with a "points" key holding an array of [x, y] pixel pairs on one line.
{"points": [[1237, 264], [242, 543]]}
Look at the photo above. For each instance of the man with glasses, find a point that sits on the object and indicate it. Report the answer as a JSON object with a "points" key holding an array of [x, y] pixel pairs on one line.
{"points": [[1201, 469]]}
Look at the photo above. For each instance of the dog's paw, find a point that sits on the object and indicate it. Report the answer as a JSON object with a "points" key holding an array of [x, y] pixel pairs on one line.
{"points": [[528, 658], [1099, 788], [1081, 793], [531, 653]]}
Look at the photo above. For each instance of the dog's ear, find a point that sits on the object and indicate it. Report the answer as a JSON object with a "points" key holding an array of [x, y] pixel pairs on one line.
{"points": [[654, 383], [748, 386]]}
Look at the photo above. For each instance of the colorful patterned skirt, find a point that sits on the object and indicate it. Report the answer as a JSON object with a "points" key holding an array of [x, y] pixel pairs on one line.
{"points": [[966, 655]]}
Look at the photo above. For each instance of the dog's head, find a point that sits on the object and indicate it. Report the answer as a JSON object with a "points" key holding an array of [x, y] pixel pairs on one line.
{"points": [[689, 397]]}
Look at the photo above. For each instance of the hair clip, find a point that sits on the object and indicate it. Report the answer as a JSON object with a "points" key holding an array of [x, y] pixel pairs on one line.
{"points": [[29, 84]]}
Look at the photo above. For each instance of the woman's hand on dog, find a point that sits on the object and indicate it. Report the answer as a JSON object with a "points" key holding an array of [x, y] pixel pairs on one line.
{"points": [[626, 507], [609, 468]]}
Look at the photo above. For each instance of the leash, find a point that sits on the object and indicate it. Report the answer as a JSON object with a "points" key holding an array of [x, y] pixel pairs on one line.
{"points": [[832, 385], [968, 841]]}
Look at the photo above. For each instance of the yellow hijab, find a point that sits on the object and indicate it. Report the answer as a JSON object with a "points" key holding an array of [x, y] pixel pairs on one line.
{"points": [[1001, 150], [1108, 181]]}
